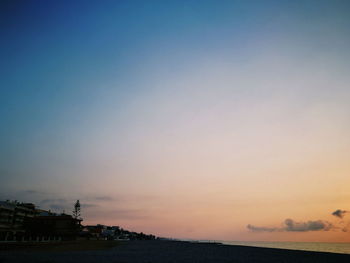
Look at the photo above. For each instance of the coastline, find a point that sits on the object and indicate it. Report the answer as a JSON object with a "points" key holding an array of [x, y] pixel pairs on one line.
{"points": [[173, 251], [331, 247]]}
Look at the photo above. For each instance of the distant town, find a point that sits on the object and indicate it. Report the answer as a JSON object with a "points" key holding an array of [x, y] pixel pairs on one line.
{"points": [[20, 222]]}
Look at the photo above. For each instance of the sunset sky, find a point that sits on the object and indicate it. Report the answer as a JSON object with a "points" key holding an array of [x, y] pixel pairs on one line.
{"points": [[185, 119]]}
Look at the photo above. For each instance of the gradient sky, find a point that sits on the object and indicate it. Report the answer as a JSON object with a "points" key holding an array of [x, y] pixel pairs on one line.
{"points": [[187, 119]]}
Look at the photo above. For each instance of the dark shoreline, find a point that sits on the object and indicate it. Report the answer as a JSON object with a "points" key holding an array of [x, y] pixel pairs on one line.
{"points": [[173, 251]]}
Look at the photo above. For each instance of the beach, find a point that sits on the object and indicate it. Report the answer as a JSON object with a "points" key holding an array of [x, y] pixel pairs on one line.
{"points": [[171, 251]]}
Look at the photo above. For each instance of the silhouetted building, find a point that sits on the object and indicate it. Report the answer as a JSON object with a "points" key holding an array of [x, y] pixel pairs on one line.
{"points": [[56, 227], [12, 218], [22, 222]]}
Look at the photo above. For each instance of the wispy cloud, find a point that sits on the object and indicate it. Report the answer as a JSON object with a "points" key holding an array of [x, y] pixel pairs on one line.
{"points": [[104, 198], [54, 200], [83, 205], [60, 204], [57, 207], [31, 192], [122, 214], [262, 229]]}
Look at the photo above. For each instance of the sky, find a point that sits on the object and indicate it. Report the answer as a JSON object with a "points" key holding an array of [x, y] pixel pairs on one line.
{"points": [[225, 120]]}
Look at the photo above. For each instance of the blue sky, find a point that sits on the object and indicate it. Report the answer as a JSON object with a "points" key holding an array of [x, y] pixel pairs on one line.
{"points": [[144, 97]]}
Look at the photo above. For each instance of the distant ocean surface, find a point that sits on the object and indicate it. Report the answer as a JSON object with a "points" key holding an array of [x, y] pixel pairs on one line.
{"points": [[343, 248]]}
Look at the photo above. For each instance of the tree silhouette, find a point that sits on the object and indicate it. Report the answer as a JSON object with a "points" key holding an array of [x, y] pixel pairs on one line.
{"points": [[76, 211]]}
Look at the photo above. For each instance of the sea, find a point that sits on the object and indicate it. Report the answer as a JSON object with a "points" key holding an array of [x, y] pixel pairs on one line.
{"points": [[343, 248]]}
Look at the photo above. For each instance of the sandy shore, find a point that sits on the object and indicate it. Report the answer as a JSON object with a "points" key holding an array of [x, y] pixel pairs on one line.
{"points": [[172, 251]]}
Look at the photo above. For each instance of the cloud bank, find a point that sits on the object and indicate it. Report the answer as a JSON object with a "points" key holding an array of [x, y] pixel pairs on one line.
{"points": [[289, 225]]}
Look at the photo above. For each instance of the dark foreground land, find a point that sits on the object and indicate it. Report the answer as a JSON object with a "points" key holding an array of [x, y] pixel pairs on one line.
{"points": [[167, 251]]}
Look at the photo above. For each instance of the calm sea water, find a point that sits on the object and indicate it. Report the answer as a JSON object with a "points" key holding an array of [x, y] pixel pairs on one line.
{"points": [[343, 248]]}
